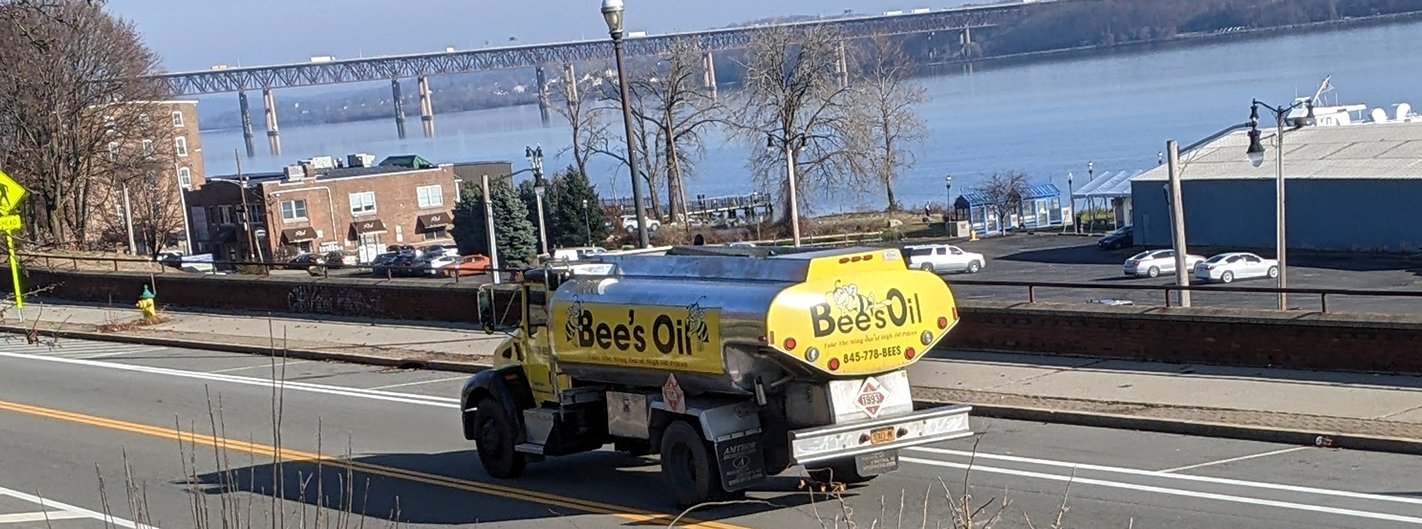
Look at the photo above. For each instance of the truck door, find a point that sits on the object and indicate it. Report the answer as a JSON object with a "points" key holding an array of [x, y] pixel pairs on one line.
{"points": [[544, 377]]}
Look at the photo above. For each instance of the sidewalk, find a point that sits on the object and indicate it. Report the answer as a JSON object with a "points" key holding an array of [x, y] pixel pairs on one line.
{"points": [[1364, 411]]}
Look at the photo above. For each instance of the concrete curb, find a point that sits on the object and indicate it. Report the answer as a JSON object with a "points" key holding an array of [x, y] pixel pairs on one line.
{"points": [[1020, 413], [1198, 428]]}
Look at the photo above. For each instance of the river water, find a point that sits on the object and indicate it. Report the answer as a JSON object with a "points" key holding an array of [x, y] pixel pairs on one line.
{"points": [[1045, 118]]}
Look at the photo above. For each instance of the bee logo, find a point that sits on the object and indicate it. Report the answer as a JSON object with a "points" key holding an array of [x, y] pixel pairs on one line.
{"points": [[575, 319], [696, 323]]}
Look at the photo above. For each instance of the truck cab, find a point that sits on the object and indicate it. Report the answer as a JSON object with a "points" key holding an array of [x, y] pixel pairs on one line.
{"points": [[730, 368]]}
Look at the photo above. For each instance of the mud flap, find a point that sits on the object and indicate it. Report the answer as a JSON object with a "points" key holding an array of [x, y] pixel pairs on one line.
{"points": [[741, 462]]}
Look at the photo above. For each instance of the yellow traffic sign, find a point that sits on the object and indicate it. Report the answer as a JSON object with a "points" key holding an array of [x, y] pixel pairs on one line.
{"points": [[10, 223], [11, 193]]}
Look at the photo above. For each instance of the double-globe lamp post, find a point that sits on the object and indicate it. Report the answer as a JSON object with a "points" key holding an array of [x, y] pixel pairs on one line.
{"points": [[1255, 153], [612, 13], [535, 157]]}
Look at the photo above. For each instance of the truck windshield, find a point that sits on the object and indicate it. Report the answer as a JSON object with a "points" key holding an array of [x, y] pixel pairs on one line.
{"points": [[537, 308]]}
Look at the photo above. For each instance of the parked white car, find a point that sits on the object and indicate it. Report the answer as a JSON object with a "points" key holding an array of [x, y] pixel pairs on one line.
{"points": [[940, 258], [1152, 263], [1227, 267], [433, 264], [629, 223]]}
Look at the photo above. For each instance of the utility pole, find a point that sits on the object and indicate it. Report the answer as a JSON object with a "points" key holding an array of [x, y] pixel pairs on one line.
{"points": [[246, 213], [1177, 223], [128, 220], [489, 224]]}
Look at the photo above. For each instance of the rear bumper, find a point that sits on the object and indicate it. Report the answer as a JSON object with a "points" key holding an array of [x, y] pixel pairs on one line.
{"points": [[847, 440]]}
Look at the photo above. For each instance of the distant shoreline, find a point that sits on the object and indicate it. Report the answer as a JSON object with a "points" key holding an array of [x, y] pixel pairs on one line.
{"points": [[1047, 56]]}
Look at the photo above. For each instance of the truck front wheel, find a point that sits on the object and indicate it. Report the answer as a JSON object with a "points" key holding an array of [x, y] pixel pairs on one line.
{"points": [[687, 466], [837, 471], [494, 438]]}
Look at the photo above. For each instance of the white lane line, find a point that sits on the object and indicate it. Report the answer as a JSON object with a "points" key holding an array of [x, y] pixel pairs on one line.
{"points": [[416, 383], [407, 398], [46, 503], [1235, 459], [42, 516], [267, 366], [1077, 480], [115, 353], [1180, 477]]}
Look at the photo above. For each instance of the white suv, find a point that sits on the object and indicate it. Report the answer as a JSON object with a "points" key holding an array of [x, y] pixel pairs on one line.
{"points": [[940, 258], [629, 223]]}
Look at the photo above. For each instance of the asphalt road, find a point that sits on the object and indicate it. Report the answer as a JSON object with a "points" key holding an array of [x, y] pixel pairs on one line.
{"points": [[1068, 259], [171, 428]]}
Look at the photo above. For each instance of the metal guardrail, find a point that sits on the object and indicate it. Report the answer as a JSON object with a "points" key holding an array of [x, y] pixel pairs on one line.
{"points": [[263, 268], [1168, 290]]}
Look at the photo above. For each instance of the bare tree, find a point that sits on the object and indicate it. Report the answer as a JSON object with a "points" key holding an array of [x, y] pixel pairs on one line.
{"points": [[793, 90], [1003, 193], [579, 107], [678, 105], [883, 117], [75, 111]]}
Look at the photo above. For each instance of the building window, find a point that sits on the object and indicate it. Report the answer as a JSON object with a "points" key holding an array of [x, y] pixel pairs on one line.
{"points": [[430, 196], [185, 177], [363, 203], [148, 148], [144, 119], [182, 144], [113, 151], [224, 214], [110, 124], [293, 210], [177, 118], [436, 234]]}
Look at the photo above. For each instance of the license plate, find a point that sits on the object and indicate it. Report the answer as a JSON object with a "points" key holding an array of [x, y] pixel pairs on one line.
{"points": [[882, 436]]}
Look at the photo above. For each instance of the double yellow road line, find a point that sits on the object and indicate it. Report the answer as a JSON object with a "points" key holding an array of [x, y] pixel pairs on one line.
{"points": [[286, 455]]}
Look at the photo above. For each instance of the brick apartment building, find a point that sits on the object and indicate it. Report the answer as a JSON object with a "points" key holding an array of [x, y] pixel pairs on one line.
{"points": [[321, 205], [159, 157]]}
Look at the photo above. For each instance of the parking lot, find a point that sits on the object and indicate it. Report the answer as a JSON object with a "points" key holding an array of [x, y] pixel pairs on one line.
{"points": [[1069, 259]]}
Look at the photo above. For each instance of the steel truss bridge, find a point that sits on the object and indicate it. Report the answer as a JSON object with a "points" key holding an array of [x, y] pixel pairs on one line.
{"points": [[420, 65]]}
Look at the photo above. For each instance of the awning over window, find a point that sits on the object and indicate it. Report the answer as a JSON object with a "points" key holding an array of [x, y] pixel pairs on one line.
{"points": [[366, 227], [297, 235], [437, 220]]}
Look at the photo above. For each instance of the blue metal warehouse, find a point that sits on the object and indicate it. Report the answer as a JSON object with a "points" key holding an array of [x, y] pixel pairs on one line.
{"points": [[1349, 188]]}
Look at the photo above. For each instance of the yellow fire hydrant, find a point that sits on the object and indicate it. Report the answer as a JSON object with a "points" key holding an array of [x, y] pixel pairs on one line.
{"points": [[146, 304]]}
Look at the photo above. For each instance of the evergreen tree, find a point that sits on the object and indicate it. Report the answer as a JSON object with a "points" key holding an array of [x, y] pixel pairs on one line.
{"points": [[516, 237], [570, 222]]}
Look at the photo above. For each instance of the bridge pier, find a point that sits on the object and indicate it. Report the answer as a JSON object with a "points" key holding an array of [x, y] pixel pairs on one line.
{"points": [[967, 41], [399, 107], [841, 68], [543, 95], [273, 133], [708, 63], [427, 106], [570, 76], [247, 135]]}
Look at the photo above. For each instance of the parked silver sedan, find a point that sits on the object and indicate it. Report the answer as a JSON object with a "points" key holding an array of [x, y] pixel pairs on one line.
{"points": [[1227, 267], [1152, 263]]}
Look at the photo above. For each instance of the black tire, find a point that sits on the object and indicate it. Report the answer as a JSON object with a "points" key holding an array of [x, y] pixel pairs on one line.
{"points": [[837, 471], [974, 267], [1273, 272], [495, 438], [928, 267], [1153, 272], [687, 466], [1227, 277]]}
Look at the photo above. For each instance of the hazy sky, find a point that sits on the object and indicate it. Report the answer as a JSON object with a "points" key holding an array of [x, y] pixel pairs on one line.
{"points": [[195, 34]]}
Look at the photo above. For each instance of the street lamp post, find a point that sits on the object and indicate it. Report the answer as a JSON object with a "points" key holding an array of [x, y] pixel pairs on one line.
{"points": [[948, 208], [612, 13], [1255, 153], [535, 156], [789, 146], [1071, 199], [1090, 177], [587, 225]]}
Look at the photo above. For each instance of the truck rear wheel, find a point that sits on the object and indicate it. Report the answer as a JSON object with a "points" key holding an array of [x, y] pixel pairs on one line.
{"points": [[687, 466], [495, 439], [837, 471]]}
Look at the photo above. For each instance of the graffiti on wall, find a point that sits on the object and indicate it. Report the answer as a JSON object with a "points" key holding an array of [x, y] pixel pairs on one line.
{"points": [[335, 301]]}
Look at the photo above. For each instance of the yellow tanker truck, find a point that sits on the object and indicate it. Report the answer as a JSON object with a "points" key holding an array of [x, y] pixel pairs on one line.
{"points": [[731, 368]]}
